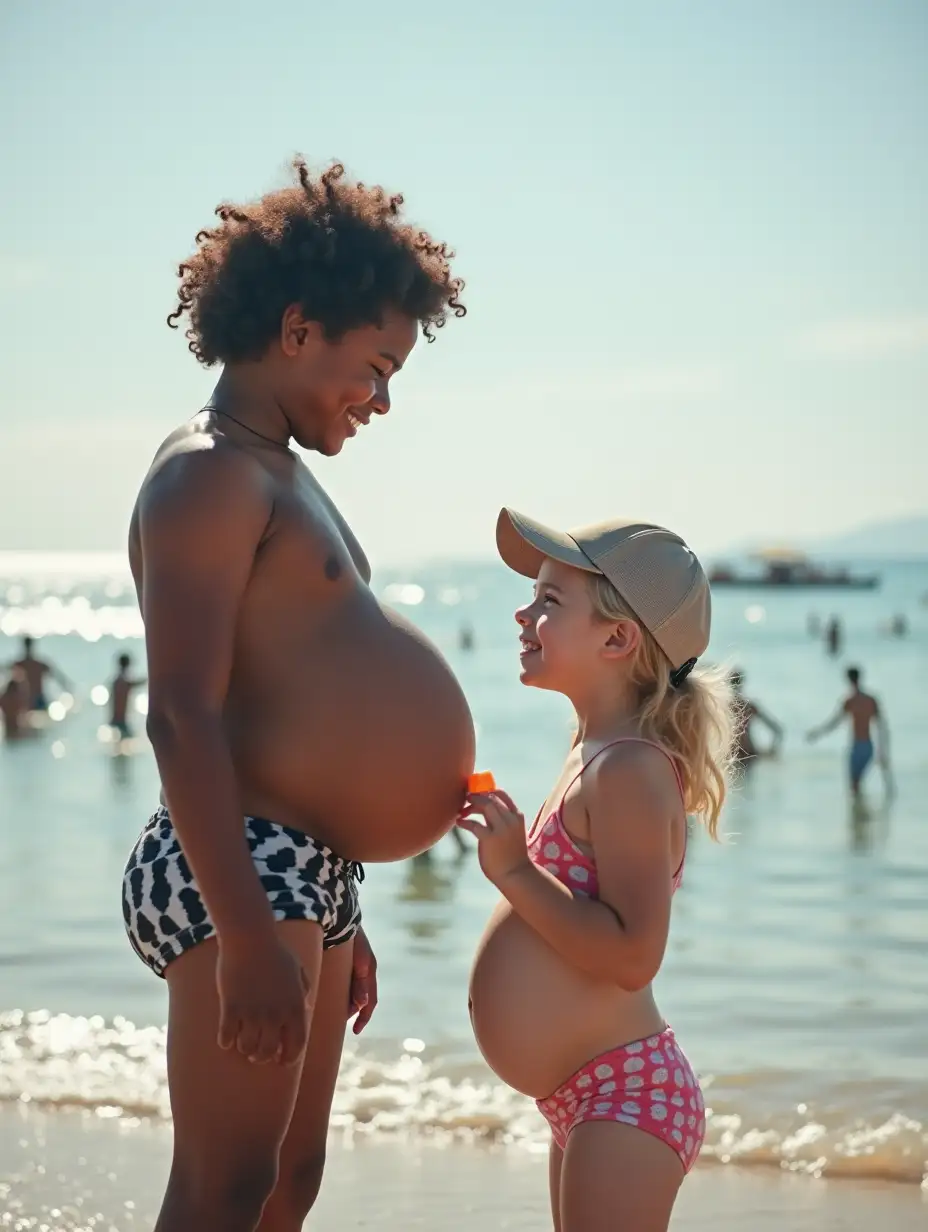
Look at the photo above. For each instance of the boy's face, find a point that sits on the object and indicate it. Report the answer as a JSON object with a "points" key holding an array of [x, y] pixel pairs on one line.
{"points": [[333, 388]]}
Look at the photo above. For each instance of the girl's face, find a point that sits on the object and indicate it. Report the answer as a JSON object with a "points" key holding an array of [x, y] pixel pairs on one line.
{"points": [[565, 644]]}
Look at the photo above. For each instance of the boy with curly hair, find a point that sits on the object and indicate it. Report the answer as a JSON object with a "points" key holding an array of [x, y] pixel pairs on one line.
{"points": [[298, 726]]}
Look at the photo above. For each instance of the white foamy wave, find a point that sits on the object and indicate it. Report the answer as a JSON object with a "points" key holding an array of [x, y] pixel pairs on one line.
{"points": [[118, 1070], [414, 1094], [56, 1059], [895, 1149]]}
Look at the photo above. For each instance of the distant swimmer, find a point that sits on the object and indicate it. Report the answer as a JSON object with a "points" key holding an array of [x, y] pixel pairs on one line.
{"points": [[122, 688], [466, 641], [834, 637], [865, 714], [36, 673], [897, 626], [746, 750]]}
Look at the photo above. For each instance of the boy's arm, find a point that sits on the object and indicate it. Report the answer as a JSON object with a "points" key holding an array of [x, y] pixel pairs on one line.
{"points": [[201, 521], [200, 524]]}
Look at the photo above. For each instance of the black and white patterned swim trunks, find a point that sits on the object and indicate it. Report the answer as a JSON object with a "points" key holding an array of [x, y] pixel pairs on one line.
{"points": [[165, 914]]}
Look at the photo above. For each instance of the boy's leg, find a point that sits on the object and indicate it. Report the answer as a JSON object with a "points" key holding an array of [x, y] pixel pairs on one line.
{"points": [[302, 1156], [230, 1115], [617, 1176]]}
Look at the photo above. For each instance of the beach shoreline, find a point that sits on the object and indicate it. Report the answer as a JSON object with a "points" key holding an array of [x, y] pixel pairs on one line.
{"points": [[72, 1171]]}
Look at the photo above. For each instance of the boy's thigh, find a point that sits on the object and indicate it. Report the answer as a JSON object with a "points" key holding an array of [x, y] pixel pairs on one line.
{"points": [[225, 1107], [310, 1120]]}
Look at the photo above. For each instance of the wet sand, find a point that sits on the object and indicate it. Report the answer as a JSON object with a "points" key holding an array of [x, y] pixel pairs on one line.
{"points": [[73, 1172]]}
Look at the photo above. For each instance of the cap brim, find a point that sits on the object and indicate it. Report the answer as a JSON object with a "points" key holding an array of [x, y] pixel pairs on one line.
{"points": [[525, 544]]}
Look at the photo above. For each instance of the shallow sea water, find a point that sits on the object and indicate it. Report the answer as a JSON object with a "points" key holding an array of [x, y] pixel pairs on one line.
{"points": [[796, 976]]}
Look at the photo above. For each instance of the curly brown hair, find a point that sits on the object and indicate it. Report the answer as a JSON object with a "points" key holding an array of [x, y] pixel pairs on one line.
{"points": [[338, 249]]}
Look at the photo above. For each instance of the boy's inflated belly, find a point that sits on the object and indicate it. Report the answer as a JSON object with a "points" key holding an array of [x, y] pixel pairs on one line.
{"points": [[353, 729], [536, 1018]]}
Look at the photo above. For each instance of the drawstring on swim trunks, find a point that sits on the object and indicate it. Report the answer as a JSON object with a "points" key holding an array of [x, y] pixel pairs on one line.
{"points": [[357, 870]]}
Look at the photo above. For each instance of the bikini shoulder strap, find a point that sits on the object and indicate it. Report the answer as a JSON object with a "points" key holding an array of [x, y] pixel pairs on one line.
{"points": [[626, 740]]}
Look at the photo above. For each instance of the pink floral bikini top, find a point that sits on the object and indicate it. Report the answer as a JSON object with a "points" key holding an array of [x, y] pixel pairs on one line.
{"points": [[552, 848]]}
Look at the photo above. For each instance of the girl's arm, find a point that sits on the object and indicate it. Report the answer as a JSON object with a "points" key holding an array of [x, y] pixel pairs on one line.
{"points": [[619, 938]]}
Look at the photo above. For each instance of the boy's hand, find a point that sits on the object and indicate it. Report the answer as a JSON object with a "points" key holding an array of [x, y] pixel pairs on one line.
{"points": [[501, 837], [363, 998], [264, 1001]]}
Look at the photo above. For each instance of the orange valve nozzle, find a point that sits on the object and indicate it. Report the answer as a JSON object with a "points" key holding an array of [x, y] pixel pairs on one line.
{"points": [[479, 782]]}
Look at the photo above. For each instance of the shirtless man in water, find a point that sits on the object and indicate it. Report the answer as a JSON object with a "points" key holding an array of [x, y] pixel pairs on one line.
{"points": [[864, 712], [746, 751], [299, 726], [36, 672], [122, 687]]}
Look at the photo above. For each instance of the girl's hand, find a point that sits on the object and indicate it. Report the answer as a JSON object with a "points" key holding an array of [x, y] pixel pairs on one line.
{"points": [[501, 838]]}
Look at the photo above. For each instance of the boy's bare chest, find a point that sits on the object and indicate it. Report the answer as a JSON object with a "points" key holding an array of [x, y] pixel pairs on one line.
{"points": [[307, 537]]}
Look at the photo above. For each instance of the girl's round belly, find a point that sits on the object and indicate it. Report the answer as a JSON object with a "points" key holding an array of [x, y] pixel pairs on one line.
{"points": [[537, 1019], [366, 742]]}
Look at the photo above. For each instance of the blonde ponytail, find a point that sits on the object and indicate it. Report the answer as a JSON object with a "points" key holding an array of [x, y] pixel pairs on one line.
{"points": [[695, 721]]}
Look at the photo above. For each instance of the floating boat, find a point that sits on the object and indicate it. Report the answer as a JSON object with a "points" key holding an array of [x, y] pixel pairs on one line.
{"points": [[786, 567]]}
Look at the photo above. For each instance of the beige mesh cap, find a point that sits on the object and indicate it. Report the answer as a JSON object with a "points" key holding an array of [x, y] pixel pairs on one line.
{"points": [[653, 570]]}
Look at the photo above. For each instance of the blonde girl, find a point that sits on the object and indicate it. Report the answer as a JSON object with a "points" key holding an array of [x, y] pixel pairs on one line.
{"points": [[561, 990]]}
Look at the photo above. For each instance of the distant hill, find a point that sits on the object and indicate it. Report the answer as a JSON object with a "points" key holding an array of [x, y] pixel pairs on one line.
{"points": [[893, 539], [896, 537]]}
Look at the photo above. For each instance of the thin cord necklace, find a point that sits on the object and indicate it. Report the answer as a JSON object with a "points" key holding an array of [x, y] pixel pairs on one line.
{"points": [[270, 440]]}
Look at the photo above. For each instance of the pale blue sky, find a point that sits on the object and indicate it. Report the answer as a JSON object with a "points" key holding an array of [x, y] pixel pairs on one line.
{"points": [[694, 236]]}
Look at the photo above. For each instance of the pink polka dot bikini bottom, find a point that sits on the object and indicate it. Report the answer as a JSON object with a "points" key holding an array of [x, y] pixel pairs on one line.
{"points": [[648, 1083]]}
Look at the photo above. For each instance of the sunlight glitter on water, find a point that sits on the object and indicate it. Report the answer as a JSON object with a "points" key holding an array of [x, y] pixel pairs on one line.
{"points": [[116, 1069], [406, 593], [55, 617]]}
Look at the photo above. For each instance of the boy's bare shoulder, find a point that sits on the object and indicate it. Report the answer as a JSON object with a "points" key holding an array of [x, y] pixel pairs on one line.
{"points": [[201, 488], [201, 470], [194, 455]]}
